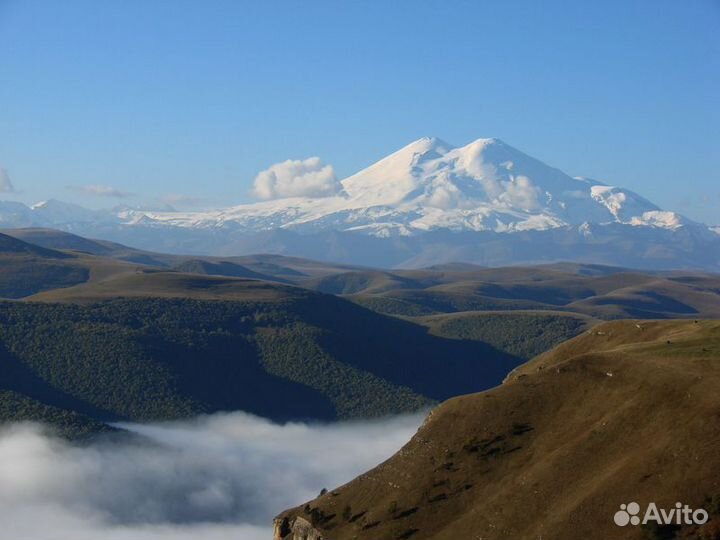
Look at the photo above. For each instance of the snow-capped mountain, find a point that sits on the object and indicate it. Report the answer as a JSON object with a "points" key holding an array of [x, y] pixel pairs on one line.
{"points": [[486, 185], [57, 212], [428, 202]]}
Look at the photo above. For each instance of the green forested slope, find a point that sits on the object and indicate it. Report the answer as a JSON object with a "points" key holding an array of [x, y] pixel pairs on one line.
{"points": [[308, 356], [522, 334]]}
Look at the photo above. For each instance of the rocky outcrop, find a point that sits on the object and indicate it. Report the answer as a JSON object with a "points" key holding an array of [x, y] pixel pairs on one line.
{"points": [[295, 528]]}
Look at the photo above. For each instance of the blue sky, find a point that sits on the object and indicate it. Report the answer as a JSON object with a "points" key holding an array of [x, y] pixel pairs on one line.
{"points": [[155, 97]]}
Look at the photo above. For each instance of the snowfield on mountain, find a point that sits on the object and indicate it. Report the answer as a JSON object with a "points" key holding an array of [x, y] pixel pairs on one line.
{"points": [[428, 186], [486, 185]]}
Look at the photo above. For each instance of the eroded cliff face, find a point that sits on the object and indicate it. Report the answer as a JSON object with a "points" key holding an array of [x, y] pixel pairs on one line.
{"points": [[295, 528]]}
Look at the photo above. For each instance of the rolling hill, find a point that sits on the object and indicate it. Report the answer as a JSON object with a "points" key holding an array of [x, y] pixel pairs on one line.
{"points": [[627, 411], [266, 266], [598, 291], [150, 283], [593, 291], [222, 268], [346, 342], [65, 241], [26, 268], [167, 345]]}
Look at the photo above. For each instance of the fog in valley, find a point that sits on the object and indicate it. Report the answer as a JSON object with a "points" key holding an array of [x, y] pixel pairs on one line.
{"points": [[217, 477]]}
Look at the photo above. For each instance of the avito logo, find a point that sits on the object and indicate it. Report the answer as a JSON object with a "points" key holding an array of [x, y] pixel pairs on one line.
{"points": [[629, 514]]}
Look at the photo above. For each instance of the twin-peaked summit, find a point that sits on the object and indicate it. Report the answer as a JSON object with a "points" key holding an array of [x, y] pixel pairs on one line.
{"points": [[428, 185], [496, 185], [427, 203]]}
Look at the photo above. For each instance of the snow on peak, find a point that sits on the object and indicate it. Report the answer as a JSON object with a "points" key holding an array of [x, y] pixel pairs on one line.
{"points": [[423, 145], [485, 185], [41, 204], [659, 218], [54, 203], [393, 177], [429, 172], [623, 204], [54, 211], [479, 146]]}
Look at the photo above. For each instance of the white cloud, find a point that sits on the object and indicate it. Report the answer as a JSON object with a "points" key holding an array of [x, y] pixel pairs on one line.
{"points": [[216, 477], [296, 178], [521, 192], [98, 190], [6, 185]]}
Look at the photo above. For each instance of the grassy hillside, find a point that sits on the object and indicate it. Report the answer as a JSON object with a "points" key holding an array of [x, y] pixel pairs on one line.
{"points": [[25, 275], [366, 281], [275, 266], [600, 292], [627, 411], [26, 269], [11, 245], [282, 353], [221, 268], [593, 290], [64, 241], [144, 283]]}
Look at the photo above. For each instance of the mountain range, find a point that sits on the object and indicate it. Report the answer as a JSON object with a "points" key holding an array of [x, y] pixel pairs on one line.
{"points": [[428, 203]]}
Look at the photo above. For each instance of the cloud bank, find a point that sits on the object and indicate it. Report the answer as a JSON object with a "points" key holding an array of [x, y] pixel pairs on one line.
{"points": [[296, 178], [6, 185], [520, 192], [217, 477], [98, 190]]}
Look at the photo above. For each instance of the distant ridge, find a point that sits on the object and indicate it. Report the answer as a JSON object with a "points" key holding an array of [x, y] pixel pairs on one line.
{"points": [[8, 244], [428, 203]]}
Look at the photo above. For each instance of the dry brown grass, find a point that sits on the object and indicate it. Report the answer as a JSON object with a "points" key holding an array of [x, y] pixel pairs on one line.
{"points": [[628, 411], [143, 284]]}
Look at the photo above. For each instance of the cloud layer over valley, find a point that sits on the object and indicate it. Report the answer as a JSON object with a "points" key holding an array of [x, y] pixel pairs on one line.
{"points": [[217, 477]]}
